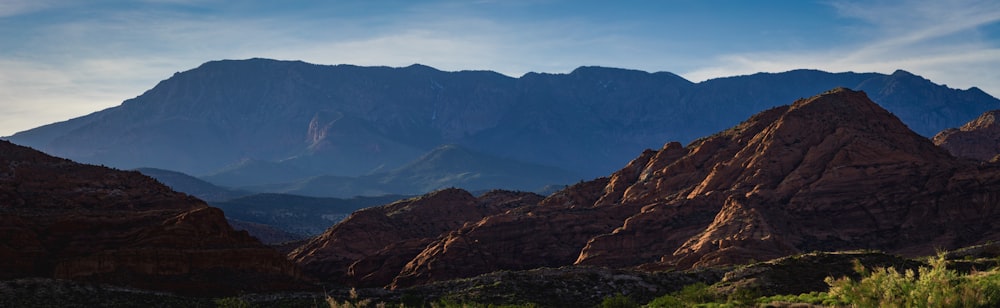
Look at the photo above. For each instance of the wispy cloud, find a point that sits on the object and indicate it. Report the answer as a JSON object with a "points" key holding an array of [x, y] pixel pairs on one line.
{"points": [[19, 7], [937, 39]]}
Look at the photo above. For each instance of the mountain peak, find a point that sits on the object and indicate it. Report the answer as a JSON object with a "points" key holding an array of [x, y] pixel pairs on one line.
{"points": [[838, 96], [604, 69], [902, 73], [842, 107]]}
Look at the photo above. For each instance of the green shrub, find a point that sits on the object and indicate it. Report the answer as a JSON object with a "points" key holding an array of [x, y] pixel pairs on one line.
{"points": [[232, 302], [666, 301], [815, 298], [692, 295], [445, 303], [696, 293], [618, 301], [354, 301], [934, 286]]}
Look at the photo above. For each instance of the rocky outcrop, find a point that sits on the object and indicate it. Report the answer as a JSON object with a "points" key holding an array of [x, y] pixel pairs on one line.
{"points": [[371, 246], [64, 220], [979, 139], [550, 234], [831, 172]]}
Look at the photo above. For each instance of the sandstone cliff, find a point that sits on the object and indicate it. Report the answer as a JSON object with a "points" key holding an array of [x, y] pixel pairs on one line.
{"points": [[979, 139], [831, 172], [64, 220]]}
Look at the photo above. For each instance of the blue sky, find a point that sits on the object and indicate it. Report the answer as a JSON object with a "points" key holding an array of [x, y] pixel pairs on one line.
{"points": [[65, 58]]}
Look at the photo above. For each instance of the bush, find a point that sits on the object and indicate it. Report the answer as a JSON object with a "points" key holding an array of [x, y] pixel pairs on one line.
{"points": [[696, 293], [690, 295], [618, 301], [666, 301], [232, 302], [354, 301], [934, 286], [815, 298]]}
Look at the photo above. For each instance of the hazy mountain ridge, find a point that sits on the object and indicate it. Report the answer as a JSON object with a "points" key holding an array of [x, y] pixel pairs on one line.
{"points": [[349, 120], [191, 185], [271, 217], [443, 167]]}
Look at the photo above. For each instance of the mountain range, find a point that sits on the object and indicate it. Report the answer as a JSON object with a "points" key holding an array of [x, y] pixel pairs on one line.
{"points": [[295, 127]]}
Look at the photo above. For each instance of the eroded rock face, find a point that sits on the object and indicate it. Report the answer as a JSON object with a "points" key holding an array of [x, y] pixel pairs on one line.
{"points": [[371, 246], [827, 173], [831, 172], [979, 139], [64, 220]]}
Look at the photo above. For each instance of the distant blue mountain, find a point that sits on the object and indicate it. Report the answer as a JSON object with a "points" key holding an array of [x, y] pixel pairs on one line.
{"points": [[354, 121]]}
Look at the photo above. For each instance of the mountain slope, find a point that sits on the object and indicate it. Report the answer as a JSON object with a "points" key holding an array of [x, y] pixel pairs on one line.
{"points": [[831, 172], [66, 220], [349, 121]]}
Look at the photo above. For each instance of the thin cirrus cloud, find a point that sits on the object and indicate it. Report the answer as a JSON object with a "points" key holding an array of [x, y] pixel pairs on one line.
{"points": [[62, 59], [18, 7], [940, 40]]}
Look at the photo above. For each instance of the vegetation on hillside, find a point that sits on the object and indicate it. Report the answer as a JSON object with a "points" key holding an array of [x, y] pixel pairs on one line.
{"points": [[930, 286]]}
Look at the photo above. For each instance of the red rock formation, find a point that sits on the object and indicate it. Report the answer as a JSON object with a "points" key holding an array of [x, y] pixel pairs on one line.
{"points": [[370, 247], [831, 172], [65, 220], [827, 173], [979, 139]]}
